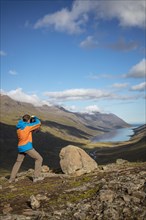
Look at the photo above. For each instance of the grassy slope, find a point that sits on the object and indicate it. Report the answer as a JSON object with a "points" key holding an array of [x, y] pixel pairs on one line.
{"points": [[49, 146], [54, 120], [60, 129]]}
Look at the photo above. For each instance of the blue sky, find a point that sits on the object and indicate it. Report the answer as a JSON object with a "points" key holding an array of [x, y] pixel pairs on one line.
{"points": [[85, 55]]}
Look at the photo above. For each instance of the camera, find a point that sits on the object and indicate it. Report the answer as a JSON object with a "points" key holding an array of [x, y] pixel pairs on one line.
{"points": [[32, 119]]}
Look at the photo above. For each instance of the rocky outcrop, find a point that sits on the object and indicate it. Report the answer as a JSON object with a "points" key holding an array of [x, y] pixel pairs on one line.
{"points": [[116, 191], [74, 160]]}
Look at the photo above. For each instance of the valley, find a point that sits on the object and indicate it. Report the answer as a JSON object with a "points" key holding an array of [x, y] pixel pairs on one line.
{"points": [[61, 128]]}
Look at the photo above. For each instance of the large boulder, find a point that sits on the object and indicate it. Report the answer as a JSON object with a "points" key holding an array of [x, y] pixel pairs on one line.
{"points": [[74, 160]]}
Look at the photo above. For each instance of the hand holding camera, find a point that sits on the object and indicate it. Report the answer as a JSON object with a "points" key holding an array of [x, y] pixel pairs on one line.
{"points": [[32, 119]]}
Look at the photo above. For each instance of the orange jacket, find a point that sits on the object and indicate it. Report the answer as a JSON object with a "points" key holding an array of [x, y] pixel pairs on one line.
{"points": [[24, 133]]}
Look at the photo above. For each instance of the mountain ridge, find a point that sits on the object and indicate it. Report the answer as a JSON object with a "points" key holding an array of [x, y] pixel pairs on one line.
{"points": [[57, 112], [58, 130], [69, 126]]}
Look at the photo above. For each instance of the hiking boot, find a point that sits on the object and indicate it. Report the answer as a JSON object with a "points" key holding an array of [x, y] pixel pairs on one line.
{"points": [[13, 180], [37, 179]]}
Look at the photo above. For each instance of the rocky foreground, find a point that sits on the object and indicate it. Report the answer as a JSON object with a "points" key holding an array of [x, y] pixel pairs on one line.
{"points": [[113, 192]]}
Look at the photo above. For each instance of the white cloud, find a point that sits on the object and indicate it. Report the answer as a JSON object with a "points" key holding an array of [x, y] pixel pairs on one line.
{"points": [[126, 97], [2, 53], [92, 109], [138, 71], [128, 13], [77, 94], [89, 43], [71, 108], [64, 20], [86, 94], [140, 87], [12, 72], [19, 95], [98, 76], [71, 95], [122, 45], [87, 109], [120, 85]]}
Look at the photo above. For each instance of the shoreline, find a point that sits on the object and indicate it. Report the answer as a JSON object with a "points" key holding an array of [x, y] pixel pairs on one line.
{"points": [[115, 135]]}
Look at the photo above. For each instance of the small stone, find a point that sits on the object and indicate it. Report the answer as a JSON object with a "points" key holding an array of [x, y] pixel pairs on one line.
{"points": [[7, 209], [121, 161], [45, 169], [80, 216], [40, 197], [126, 198], [136, 200], [139, 195], [35, 204], [107, 196]]}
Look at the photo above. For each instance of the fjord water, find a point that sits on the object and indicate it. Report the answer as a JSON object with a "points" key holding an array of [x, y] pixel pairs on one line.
{"points": [[122, 134]]}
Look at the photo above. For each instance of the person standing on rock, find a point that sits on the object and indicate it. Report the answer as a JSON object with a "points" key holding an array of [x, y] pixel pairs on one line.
{"points": [[25, 127]]}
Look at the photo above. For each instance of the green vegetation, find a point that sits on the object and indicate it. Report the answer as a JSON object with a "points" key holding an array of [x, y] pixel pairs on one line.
{"points": [[60, 193], [59, 129], [77, 196]]}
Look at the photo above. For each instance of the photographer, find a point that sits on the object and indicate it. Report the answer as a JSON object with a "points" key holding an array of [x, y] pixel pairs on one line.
{"points": [[25, 127]]}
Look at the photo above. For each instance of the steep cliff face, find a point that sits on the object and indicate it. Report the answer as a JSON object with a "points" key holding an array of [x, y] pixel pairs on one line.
{"points": [[104, 122]]}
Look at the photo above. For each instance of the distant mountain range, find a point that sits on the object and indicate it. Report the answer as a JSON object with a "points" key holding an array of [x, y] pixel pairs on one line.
{"points": [[56, 116], [59, 128], [59, 122]]}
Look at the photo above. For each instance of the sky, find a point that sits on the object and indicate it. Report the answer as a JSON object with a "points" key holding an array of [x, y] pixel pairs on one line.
{"points": [[83, 55]]}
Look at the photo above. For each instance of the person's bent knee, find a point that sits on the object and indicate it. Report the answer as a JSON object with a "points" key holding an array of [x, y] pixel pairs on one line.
{"points": [[40, 159], [19, 160]]}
